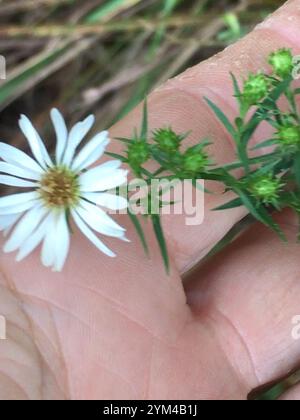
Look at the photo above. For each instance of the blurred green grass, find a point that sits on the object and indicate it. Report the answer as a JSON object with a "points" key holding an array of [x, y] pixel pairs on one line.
{"points": [[105, 56]]}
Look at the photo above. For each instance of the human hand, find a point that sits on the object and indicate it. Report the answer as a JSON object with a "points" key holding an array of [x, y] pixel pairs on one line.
{"points": [[122, 328]]}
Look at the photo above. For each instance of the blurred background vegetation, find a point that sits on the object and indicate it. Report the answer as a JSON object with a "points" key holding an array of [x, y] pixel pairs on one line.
{"points": [[104, 56]]}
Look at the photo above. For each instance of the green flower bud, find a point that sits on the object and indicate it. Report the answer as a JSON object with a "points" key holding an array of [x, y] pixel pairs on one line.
{"points": [[289, 135], [138, 153], [266, 189], [167, 140], [282, 62], [256, 88], [194, 161]]}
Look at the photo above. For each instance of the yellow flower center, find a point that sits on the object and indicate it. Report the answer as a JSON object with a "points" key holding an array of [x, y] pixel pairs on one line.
{"points": [[59, 187]]}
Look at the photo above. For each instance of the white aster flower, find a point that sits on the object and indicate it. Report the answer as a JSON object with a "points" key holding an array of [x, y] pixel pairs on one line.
{"points": [[59, 189]]}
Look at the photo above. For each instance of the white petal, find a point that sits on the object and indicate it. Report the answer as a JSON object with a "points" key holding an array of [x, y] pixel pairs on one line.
{"points": [[110, 201], [62, 244], [97, 216], [35, 142], [109, 165], [77, 134], [107, 182], [91, 152], [18, 208], [15, 199], [24, 228], [102, 170], [18, 203], [61, 133], [48, 248], [16, 182], [91, 236], [11, 169], [8, 220], [34, 240], [15, 156], [103, 177], [99, 226]]}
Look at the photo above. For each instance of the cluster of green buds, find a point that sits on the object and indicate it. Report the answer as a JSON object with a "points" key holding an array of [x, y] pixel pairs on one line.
{"points": [[187, 163], [165, 146], [269, 181], [258, 85], [174, 162]]}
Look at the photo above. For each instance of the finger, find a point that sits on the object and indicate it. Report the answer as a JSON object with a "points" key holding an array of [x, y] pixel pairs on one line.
{"points": [[253, 290], [180, 104]]}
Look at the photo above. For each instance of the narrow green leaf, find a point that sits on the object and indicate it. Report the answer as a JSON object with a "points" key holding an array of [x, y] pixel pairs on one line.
{"points": [[222, 117], [283, 165], [108, 9], [200, 146], [198, 186], [236, 88], [280, 89], [243, 155], [144, 130], [252, 161], [158, 172], [267, 169], [268, 221], [147, 173], [296, 167], [159, 157], [123, 140], [236, 202], [138, 227], [265, 143], [260, 213], [161, 240], [212, 176], [116, 156]]}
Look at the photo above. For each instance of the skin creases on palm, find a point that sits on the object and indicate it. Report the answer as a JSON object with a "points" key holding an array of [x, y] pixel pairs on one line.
{"points": [[80, 343], [124, 329], [74, 339]]}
